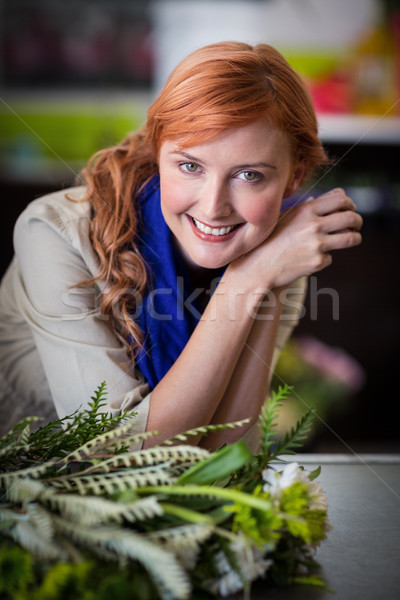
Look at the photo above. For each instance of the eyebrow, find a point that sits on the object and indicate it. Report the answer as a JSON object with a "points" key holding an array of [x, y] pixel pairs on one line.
{"points": [[256, 165]]}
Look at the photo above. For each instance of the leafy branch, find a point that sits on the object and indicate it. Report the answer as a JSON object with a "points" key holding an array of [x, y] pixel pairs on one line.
{"points": [[175, 517], [271, 449]]}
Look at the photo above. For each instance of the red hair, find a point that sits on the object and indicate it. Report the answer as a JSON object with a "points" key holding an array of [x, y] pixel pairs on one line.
{"points": [[233, 84], [218, 87]]}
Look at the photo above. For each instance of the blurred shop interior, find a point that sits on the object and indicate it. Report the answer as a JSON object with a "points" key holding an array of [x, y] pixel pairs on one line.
{"points": [[77, 76]]}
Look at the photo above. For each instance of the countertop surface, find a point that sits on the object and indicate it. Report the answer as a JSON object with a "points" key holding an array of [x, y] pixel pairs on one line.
{"points": [[360, 558]]}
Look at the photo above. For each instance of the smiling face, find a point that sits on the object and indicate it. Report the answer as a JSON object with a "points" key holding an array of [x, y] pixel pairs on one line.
{"points": [[222, 197]]}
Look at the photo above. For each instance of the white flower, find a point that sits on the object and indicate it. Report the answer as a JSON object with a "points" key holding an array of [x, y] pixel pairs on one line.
{"points": [[276, 482], [318, 498]]}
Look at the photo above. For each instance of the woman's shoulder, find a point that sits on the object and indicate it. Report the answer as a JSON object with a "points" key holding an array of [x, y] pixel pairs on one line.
{"points": [[62, 204], [64, 211]]}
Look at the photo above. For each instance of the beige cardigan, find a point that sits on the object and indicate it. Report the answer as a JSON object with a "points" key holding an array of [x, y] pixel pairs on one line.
{"points": [[54, 343]]}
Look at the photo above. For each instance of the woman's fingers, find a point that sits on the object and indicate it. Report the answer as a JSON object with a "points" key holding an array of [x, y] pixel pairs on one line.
{"points": [[338, 221], [333, 201], [347, 238], [335, 221]]}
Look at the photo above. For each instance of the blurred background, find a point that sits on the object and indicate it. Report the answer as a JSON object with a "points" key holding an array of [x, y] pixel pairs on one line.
{"points": [[79, 75]]}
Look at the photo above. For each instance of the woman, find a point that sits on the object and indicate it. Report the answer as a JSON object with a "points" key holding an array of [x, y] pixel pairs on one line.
{"points": [[113, 280]]}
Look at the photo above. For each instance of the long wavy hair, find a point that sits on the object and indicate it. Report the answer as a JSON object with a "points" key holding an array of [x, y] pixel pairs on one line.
{"points": [[218, 87]]}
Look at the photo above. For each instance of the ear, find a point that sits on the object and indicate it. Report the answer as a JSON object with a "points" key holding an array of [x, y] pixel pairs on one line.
{"points": [[295, 179]]}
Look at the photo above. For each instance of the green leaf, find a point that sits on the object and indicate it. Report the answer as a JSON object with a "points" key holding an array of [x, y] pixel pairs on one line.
{"points": [[220, 464], [203, 430], [314, 474], [269, 415], [184, 513], [296, 436], [228, 494], [310, 580]]}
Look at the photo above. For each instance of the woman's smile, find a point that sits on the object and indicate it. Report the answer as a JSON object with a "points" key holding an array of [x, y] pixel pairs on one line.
{"points": [[212, 233], [222, 198]]}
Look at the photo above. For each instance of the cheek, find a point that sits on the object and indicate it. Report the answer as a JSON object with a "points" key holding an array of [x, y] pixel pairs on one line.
{"points": [[262, 212], [173, 196]]}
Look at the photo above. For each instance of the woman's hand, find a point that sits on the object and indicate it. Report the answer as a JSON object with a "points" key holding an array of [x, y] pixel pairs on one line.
{"points": [[303, 239]]}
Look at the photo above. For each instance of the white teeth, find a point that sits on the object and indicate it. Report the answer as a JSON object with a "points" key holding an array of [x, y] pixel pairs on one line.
{"points": [[214, 231]]}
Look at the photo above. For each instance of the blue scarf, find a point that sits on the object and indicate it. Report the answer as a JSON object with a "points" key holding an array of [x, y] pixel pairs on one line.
{"points": [[170, 310]]}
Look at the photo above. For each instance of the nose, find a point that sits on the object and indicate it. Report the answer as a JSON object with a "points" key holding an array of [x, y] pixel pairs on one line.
{"points": [[215, 200]]}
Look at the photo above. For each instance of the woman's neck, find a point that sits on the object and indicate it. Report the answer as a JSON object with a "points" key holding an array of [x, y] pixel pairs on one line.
{"points": [[202, 279]]}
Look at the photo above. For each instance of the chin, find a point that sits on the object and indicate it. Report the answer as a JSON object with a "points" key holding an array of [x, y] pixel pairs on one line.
{"points": [[207, 263]]}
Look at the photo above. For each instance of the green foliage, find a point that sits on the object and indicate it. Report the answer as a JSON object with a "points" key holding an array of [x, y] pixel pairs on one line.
{"points": [[67, 581], [296, 436], [16, 571], [84, 516], [262, 526], [269, 416], [221, 463], [295, 502], [59, 437], [270, 448], [204, 430]]}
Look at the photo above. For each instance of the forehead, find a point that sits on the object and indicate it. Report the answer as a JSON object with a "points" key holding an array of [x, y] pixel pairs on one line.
{"points": [[257, 141]]}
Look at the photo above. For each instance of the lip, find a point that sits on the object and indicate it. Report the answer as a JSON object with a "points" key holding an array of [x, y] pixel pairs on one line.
{"points": [[208, 237]]}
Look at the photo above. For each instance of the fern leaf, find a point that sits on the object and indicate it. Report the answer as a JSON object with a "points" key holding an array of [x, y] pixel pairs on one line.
{"points": [[109, 483], [184, 541], [168, 575], [32, 472], [24, 490], [120, 434], [8, 517], [184, 436], [269, 415], [16, 441], [16, 445], [41, 519], [24, 435], [29, 536], [151, 456], [13, 450], [32, 540], [184, 536], [159, 454], [98, 399], [94, 511], [19, 428], [296, 436]]}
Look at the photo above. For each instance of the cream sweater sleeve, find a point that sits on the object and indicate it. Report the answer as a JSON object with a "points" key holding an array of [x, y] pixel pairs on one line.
{"points": [[77, 348]]}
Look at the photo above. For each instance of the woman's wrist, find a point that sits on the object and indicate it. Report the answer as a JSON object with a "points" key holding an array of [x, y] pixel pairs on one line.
{"points": [[250, 280]]}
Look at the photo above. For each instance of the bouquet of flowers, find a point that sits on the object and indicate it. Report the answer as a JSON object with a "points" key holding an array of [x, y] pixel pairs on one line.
{"points": [[83, 516]]}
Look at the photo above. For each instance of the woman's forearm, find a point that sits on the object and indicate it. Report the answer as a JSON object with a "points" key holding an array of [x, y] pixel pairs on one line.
{"points": [[249, 384], [191, 392]]}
